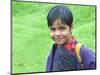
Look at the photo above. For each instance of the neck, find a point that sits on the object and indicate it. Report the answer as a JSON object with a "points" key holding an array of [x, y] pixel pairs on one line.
{"points": [[69, 40]]}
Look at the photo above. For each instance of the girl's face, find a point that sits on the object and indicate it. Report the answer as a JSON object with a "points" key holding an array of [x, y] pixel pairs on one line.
{"points": [[60, 33]]}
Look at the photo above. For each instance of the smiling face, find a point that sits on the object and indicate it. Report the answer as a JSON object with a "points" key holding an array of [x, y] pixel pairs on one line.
{"points": [[60, 32]]}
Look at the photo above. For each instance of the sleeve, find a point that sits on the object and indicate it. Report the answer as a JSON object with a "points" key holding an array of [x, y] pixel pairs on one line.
{"points": [[48, 64], [88, 58]]}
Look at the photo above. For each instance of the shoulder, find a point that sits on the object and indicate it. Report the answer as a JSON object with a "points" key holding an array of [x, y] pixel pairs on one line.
{"points": [[86, 51], [51, 51]]}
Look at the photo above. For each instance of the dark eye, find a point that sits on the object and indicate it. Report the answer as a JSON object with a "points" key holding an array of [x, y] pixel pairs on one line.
{"points": [[52, 29], [62, 28]]}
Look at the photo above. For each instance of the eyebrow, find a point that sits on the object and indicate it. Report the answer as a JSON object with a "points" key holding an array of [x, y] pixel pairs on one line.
{"points": [[63, 26]]}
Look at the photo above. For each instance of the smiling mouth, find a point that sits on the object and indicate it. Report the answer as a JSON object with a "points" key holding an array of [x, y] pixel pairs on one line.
{"points": [[58, 39]]}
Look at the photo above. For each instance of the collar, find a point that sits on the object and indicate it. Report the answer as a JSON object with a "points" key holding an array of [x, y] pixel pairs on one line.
{"points": [[71, 45]]}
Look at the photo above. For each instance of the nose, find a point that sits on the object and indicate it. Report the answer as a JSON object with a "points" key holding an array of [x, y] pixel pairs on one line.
{"points": [[57, 33]]}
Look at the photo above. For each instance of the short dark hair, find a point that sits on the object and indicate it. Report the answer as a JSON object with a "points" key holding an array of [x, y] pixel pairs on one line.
{"points": [[60, 12]]}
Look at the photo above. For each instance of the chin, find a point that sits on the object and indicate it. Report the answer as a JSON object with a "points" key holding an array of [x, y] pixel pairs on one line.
{"points": [[60, 43]]}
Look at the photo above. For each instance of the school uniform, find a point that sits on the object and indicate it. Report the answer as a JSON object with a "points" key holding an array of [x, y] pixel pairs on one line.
{"points": [[64, 58]]}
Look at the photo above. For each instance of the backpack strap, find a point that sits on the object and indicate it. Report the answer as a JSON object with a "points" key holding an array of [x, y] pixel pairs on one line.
{"points": [[77, 50]]}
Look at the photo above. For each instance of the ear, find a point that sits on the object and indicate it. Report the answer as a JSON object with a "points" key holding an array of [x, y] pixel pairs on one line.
{"points": [[71, 29]]}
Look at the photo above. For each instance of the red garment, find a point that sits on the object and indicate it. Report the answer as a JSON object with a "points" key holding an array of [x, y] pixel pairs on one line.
{"points": [[71, 45]]}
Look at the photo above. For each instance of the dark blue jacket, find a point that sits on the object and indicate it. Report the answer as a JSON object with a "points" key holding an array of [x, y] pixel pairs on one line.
{"points": [[63, 60]]}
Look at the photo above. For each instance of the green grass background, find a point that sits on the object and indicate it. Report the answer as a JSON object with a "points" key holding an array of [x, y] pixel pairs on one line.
{"points": [[31, 42]]}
